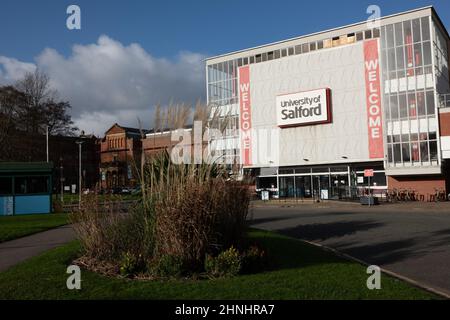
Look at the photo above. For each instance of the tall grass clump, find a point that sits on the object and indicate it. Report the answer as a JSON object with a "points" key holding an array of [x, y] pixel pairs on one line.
{"points": [[188, 213]]}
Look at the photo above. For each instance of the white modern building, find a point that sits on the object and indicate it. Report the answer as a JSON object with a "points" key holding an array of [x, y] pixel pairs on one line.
{"points": [[341, 101]]}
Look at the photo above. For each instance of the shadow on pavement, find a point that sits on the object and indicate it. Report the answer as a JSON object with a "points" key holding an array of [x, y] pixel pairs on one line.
{"points": [[323, 231]]}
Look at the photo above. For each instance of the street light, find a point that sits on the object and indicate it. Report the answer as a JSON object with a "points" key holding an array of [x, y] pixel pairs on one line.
{"points": [[79, 143], [61, 181]]}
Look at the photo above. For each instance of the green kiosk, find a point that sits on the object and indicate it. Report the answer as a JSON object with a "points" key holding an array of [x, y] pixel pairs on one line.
{"points": [[25, 188]]}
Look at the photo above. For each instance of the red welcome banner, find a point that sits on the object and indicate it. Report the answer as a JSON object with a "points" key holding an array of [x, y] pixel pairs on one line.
{"points": [[245, 116], [373, 99]]}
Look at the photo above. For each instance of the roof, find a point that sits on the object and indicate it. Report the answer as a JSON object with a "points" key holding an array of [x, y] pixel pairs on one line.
{"points": [[13, 167], [128, 129], [153, 132], [430, 8]]}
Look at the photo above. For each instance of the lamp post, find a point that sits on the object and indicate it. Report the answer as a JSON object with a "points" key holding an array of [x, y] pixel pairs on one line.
{"points": [[61, 182], [79, 142], [46, 143]]}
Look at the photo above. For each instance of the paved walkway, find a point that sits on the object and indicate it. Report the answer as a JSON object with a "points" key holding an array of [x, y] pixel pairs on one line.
{"points": [[15, 251], [410, 239]]}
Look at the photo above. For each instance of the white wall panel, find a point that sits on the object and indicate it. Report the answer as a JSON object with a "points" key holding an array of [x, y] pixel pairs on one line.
{"points": [[341, 70]]}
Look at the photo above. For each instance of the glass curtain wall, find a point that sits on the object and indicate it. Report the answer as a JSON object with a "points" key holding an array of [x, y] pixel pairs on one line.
{"points": [[409, 98]]}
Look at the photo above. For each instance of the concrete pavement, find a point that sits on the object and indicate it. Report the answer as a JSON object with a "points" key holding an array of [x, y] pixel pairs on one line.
{"points": [[17, 250], [410, 239]]}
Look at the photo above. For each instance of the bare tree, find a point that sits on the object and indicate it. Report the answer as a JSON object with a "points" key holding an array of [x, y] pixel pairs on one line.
{"points": [[43, 108], [11, 100]]}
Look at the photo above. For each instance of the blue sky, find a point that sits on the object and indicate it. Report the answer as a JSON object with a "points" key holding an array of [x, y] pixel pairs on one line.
{"points": [[166, 27], [131, 55]]}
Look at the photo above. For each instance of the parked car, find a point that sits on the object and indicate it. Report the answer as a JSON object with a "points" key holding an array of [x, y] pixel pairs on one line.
{"points": [[125, 191]]}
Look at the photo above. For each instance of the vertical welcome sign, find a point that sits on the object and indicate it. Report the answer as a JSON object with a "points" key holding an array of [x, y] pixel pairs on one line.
{"points": [[245, 116], [373, 99]]}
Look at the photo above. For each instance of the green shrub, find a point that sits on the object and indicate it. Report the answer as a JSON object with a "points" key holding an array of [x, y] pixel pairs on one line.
{"points": [[185, 211], [130, 265], [167, 266], [226, 264], [254, 260]]}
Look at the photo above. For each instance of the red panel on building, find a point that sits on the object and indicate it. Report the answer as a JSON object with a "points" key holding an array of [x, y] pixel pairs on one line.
{"points": [[245, 115], [373, 99]]}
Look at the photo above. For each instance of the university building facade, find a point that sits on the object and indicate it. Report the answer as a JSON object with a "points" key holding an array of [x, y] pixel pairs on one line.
{"points": [[363, 96]]}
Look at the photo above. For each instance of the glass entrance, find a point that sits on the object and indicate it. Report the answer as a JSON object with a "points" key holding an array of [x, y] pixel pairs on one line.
{"points": [[321, 186]]}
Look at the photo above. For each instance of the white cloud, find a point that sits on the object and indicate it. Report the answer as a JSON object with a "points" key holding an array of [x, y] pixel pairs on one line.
{"points": [[12, 69], [109, 82]]}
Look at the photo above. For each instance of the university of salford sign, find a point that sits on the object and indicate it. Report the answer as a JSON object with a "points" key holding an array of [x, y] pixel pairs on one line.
{"points": [[303, 108]]}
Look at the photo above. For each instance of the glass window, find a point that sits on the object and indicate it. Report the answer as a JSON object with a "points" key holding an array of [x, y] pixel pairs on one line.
{"points": [[286, 171], [405, 152], [298, 49], [399, 34], [390, 36], [291, 51], [415, 155], [394, 107], [327, 43], [432, 135], [407, 32], [424, 151], [270, 55], [376, 33], [397, 152], [368, 34], [359, 36], [252, 59], [423, 136], [277, 54], [351, 38], [425, 29], [30, 185], [305, 48], [417, 34], [335, 41], [320, 45], [426, 53], [430, 102], [283, 52], [400, 58], [391, 59], [390, 158], [312, 46], [412, 105], [264, 56], [418, 55], [403, 105], [245, 61], [420, 103], [433, 150], [5, 185], [383, 37]]}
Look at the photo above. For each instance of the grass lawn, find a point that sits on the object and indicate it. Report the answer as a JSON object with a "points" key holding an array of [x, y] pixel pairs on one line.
{"points": [[303, 272], [12, 227]]}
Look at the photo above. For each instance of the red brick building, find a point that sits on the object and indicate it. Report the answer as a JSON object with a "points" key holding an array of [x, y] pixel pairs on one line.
{"points": [[120, 152]]}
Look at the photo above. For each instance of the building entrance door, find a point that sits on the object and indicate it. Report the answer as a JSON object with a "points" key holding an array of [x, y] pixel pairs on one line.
{"points": [[321, 186]]}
